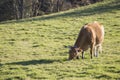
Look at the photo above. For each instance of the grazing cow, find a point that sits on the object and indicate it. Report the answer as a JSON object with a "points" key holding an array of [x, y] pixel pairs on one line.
{"points": [[91, 36]]}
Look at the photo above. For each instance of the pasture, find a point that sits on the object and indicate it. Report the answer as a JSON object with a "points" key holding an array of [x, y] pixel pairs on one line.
{"points": [[37, 48]]}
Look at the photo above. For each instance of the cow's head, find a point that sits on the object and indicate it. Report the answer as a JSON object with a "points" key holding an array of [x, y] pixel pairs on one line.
{"points": [[73, 53]]}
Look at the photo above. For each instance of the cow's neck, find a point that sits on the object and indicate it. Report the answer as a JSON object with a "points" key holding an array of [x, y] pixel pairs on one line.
{"points": [[79, 42]]}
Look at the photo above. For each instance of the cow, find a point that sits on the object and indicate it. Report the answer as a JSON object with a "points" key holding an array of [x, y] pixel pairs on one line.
{"points": [[91, 36]]}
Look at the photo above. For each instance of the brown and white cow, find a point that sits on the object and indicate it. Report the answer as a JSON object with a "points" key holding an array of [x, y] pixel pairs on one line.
{"points": [[91, 36]]}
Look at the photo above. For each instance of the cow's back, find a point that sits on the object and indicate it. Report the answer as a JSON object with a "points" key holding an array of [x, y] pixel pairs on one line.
{"points": [[94, 32]]}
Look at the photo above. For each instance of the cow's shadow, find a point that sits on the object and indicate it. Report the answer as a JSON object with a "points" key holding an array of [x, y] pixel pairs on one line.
{"points": [[34, 62]]}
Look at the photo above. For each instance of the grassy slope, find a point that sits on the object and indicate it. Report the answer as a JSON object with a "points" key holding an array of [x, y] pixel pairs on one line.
{"points": [[36, 48]]}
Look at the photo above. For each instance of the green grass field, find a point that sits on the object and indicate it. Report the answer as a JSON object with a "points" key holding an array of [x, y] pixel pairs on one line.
{"points": [[36, 48]]}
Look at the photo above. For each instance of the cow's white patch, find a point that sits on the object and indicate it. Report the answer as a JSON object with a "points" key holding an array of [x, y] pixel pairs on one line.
{"points": [[102, 31]]}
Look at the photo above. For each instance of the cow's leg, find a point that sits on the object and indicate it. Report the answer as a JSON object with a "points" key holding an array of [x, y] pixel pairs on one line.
{"points": [[82, 54], [95, 52], [92, 49], [98, 49]]}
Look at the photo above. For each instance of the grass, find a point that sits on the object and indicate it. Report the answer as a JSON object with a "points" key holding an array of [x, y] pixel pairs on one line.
{"points": [[36, 48]]}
